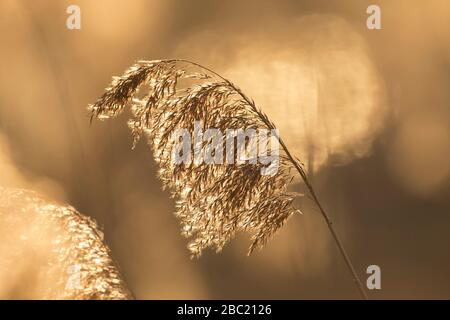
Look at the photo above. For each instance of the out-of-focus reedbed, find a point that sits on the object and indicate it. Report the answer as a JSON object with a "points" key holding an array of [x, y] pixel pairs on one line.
{"points": [[51, 251], [366, 111]]}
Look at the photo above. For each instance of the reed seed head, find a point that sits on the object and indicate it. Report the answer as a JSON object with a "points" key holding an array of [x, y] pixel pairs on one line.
{"points": [[213, 201]]}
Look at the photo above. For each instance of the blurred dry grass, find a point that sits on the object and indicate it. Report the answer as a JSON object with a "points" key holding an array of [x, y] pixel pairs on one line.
{"points": [[50, 251], [386, 89]]}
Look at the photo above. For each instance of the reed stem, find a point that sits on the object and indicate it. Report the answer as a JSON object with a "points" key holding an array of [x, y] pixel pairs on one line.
{"points": [[328, 222], [304, 176]]}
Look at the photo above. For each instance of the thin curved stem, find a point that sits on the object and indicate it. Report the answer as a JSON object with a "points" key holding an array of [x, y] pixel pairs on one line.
{"points": [[329, 223], [304, 176]]}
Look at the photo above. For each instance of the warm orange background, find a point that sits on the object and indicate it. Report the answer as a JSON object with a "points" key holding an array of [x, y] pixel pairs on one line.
{"points": [[368, 111]]}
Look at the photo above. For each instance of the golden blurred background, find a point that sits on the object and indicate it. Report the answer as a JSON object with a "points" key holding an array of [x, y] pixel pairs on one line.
{"points": [[366, 110]]}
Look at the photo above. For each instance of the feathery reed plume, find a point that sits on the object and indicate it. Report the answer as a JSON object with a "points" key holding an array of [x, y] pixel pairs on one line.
{"points": [[213, 202], [67, 256]]}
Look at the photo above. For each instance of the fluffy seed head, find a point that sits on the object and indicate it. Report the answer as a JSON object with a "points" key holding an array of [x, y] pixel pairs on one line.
{"points": [[213, 201]]}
